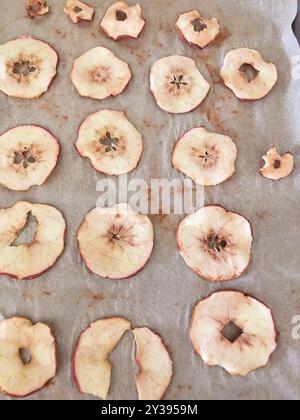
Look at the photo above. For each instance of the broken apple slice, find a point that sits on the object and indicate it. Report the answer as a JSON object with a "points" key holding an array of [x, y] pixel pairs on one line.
{"points": [[215, 243], [277, 167], [36, 8], [92, 369], [196, 29], [177, 84], [28, 155], [27, 357], [247, 74], [116, 242], [27, 67], [154, 365], [77, 10], [30, 260], [111, 142], [123, 21], [207, 158], [249, 348], [99, 74]]}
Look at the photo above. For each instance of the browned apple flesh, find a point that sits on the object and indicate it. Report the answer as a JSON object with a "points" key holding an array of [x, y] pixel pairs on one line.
{"points": [[248, 346], [248, 75], [27, 357], [116, 242], [30, 260], [208, 158], [277, 167], [196, 29], [36, 8], [215, 243], [123, 21], [77, 11], [28, 155], [99, 74]]}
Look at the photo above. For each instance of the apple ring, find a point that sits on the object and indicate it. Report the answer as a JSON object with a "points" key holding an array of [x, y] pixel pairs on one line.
{"points": [[257, 339]]}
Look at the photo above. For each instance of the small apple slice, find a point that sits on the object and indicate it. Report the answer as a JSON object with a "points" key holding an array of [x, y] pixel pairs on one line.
{"points": [[277, 167], [123, 21], [207, 158], [27, 67], [20, 376], [28, 155], [116, 242], [154, 365], [36, 8], [251, 345], [215, 243], [248, 75], [92, 369], [77, 10], [196, 29], [28, 261], [99, 74], [111, 142], [177, 84]]}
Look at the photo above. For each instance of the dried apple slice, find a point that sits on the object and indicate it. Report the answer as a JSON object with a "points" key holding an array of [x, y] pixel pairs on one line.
{"points": [[116, 242], [277, 167], [28, 261], [246, 351], [123, 21], [21, 376], [207, 158], [177, 84], [154, 365], [111, 142], [215, 243], [77, 10], [99, 74], [248, 75], [36, 8], [28, 155], [92, 369], [27, 67], [196, 29]]}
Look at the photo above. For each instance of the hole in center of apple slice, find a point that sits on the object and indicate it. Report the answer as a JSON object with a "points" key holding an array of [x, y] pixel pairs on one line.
{"points": [[25, 356], [110, 142], [24, 157], [214, 242], [231, 332], [23, 68], [277, 164], [198, 25], [26, 235], [249, 72], [121, 16], [178, 81]]}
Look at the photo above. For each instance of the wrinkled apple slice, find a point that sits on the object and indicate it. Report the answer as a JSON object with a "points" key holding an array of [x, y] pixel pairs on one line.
{"points": [[123, 21], [27, 67], [116, 242], [27, 357], [99, 74], [196, 29], [77, 10], [111, 142], [207, 158], [249, 348], [277, 167], [154, 365], [215, 243], [28, 261], [177, 84], [247, 74], [92, 369], [28, 155], [36, 8]]}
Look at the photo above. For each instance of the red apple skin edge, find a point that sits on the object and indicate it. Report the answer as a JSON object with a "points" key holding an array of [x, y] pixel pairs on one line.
{"points": [[249, 100], [54, 138], [106, 278], [57, 65], [121, 37], [228, 211], [35, 276]]}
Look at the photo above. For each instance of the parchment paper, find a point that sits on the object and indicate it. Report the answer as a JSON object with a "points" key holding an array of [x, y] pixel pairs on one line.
{"points": [[163, 295]]}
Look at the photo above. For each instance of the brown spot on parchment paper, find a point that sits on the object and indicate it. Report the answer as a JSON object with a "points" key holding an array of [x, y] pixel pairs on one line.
{"points": [[149, 123], [223, 35]]}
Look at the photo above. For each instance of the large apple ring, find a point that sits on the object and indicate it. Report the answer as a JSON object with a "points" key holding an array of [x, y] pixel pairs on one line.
{"points": [[248, 350]]}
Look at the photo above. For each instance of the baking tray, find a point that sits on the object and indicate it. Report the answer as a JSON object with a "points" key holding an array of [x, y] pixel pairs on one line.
{"points": [[163, 295]]}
